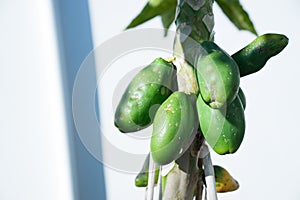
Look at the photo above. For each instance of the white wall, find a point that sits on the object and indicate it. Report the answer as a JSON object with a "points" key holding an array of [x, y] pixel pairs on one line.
{"points": [[34, 152], [267, 163], [43, 44]]}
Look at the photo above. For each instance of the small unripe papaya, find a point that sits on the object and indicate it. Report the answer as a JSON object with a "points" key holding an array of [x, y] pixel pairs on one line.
{"points": [[218, 76], [254, 56], [173, 128], [141, 99], [141, 180], [222, 128]]}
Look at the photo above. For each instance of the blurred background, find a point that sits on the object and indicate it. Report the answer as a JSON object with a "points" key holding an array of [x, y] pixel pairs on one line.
{"points": [[43, 45]]}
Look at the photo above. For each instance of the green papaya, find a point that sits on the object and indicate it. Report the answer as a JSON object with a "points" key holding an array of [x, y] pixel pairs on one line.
{"points": [[222, 128], [141, 180], [173, 127], [218, 76], [242, 98], [141, 99], [254, 56]]}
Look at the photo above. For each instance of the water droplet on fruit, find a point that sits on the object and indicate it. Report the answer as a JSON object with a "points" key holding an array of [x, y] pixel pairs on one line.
{"points": [[180, 151]]}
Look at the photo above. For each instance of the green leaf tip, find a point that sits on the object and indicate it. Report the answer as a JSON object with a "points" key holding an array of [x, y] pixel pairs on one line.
{"points": [[237, 15], [164, 8]]}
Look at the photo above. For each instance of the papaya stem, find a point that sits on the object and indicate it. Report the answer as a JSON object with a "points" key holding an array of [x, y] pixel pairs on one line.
{"points": [[194, 24], [209, 174], [199, 190], [159, 183], [151, 177]]}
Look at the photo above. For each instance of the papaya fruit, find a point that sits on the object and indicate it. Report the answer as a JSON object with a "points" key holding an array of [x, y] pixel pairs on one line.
{"points": [[141, 180], [254, 56], [173, 126], [141, 99], [218, 76], [222, 128], [224, 181], [242, 97]]}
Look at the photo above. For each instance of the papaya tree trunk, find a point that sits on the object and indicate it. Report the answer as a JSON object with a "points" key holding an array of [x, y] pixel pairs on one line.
{"points": [[194, 23]]}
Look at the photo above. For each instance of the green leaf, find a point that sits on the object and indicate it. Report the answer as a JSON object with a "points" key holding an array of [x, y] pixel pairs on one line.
{"points": [[237, 15], [163, 8], [167, 19]]}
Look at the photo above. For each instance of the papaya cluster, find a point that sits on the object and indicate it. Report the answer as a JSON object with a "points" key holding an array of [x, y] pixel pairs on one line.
{"points": [[152, 97]]}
